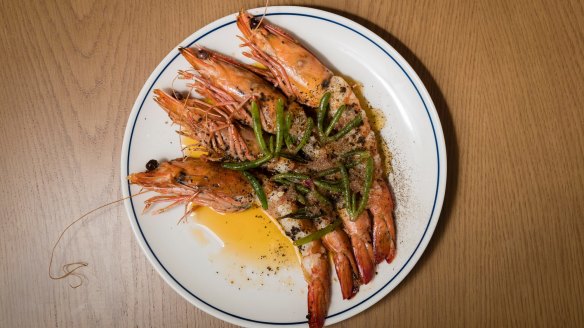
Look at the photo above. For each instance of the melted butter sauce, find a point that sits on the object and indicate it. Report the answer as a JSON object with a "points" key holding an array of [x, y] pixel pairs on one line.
{"points": [[250, 236], [377, 118], [188, 145]]}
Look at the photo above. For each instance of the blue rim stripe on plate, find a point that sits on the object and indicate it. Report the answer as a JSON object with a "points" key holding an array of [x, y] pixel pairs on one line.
{"points": [[435, 194]]}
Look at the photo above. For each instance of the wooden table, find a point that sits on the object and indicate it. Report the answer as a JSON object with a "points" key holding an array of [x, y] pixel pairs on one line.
{"points": [[507, 78]]}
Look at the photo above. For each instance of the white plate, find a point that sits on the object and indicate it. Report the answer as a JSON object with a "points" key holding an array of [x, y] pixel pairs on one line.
{"points": [[412, 131]]}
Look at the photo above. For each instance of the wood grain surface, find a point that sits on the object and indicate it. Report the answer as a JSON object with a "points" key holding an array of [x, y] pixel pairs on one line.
{"points": [[507, 78]]}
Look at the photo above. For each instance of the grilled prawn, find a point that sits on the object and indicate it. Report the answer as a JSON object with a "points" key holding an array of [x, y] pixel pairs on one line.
{"points": [[226, 80], [206, 183], [196, 181], [301, 76], [209, 126], [282, 205]]}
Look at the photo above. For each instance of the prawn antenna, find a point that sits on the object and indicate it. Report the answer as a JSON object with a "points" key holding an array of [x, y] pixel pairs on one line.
{"points": [[263, 15], [70, 269]]}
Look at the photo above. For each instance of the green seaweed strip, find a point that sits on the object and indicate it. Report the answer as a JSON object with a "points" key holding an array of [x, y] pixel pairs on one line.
{"points": [[334, 121], [257, 188], [280, 128], [322, 109], [356, 121], [290, 176], [302, 189], [241, 166], [321, 198], [347, 189], [366, 187], [328, 186], [301, 199], [287, 137], [356, 152], [305, 136], [317, 234], [271, 142], [257, 127], [327, 172], [300, 211]]}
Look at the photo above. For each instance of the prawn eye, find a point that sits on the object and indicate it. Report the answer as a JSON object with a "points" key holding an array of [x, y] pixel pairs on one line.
{"points": [[202, 54], [181, 177], [254, 22], [151, 165]]}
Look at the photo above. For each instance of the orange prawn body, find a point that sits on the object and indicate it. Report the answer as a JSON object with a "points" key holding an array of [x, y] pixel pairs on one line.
{"points": [[300, 74], [197, 181]]}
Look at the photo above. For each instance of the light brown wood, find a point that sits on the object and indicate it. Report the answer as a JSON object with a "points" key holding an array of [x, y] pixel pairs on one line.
{"points": [[507, 78]]}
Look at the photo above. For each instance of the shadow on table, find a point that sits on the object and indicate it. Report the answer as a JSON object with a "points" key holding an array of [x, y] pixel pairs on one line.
{"points": [[447, 126]]}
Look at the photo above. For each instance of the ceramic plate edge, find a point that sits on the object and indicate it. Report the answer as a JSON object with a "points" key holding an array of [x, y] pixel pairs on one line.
{"points": [[438, 133]]}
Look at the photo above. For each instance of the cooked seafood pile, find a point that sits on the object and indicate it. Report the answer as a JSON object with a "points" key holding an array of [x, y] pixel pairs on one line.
{"points": [[290, 136]]}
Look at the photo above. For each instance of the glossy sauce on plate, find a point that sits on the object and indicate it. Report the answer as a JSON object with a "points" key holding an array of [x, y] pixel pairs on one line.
{"points": [[249, 235]]}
